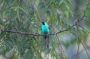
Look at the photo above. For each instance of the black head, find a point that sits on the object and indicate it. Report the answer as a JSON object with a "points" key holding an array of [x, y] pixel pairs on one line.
{"points": [[43, 23]]}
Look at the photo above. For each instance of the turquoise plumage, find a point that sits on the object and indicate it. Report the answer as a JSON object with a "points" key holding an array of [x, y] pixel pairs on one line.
{"points": [[45, 28]]}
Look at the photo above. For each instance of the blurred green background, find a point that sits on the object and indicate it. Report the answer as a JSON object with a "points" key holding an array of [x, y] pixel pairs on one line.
{"points": [[71, 17]]}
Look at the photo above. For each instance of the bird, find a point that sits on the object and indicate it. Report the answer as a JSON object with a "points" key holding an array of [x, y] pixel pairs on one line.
{"points": [[45, 30]]}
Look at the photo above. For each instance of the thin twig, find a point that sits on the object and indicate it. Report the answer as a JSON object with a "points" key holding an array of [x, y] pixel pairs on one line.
{"points": [[85, 50], [61, 47], [26, 33], [77, 55]]}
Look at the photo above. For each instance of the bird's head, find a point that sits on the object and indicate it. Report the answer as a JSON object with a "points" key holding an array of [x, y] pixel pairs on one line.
{"points": [[43, 23]]}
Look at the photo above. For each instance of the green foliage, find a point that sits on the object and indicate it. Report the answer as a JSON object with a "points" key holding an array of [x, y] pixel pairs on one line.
{"points": [[26, 16]]}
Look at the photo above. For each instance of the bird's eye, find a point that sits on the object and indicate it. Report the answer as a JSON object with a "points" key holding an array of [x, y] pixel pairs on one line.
{"points": [[43, 23]]}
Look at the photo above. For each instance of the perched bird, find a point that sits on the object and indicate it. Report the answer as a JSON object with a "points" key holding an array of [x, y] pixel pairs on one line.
{"points": [[45, 31]]}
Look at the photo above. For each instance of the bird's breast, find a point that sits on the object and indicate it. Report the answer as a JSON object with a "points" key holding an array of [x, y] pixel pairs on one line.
{"points": [[45, 29]]}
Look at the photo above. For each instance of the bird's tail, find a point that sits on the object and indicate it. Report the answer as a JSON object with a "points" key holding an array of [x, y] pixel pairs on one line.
{"points": [[46, 37]]}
